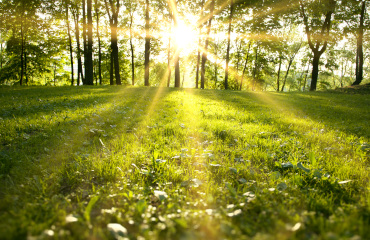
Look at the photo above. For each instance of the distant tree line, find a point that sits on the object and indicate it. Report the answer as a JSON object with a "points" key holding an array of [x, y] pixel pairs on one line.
{"points": [[278, 45]]}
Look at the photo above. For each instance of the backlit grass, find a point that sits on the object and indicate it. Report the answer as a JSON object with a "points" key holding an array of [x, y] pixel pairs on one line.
{"points": [[183, 164]]}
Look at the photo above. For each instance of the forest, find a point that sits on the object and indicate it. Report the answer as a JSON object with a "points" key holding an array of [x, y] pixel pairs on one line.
{"points": [[272, 45]]}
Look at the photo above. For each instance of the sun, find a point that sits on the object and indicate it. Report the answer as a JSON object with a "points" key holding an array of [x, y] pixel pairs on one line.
{"points": [[185, 36]]}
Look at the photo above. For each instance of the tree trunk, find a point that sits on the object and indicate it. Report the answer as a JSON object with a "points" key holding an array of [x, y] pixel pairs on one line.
{"points": [[286, 74], [147, 44], [132, 50], [84, 80], [113, 22], [245, 66], [80, 76], [228, 46], [216, 65], [200, 24], [343, 72], [278, 76], [1, 51], [99, 42], [183, 79], [177, 48], [204, 55], [55, 70], [25, 68], [169, 53], [70, 44], [255, 69], [115, 49], [22, 52], [315, 71], [111, 68], [305, 78], [360, 52], [318, 41], [89, 68]]}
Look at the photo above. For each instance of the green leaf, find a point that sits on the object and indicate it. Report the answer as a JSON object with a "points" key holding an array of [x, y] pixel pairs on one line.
{"points": [[141, 206], [89, 207], [299, 165], [312, 158]]}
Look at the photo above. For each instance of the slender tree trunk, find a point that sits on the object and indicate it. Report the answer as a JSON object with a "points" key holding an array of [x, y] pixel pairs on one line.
{"points": [[100, 56], [113, 22], [147, 44], [25, 68], [169, 53], [55, 77], [228, 46], [70, 44], [360, 51], [255, 69], [290, 64], [115, 51], [80, 76], [177, 49], [183, 79], [99, 41], [132, 50], [89, 68], [286, 74], [22, 52], [204, 55], [216, 65], [1, 51], [84, 37], [200, 24], [245, 66], [278, 76], [343, 72], [198, 62], [111, 68], [305, 78]]}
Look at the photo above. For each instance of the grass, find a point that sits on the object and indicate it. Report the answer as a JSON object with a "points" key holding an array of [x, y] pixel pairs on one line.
{"points": [[183, 164]]}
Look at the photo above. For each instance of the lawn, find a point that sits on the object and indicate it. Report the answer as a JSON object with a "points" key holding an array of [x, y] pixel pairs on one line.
{"points": [[157, 163]]}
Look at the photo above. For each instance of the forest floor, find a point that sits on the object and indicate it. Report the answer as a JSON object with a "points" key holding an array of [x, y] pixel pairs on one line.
{"points": [[158, 163]]}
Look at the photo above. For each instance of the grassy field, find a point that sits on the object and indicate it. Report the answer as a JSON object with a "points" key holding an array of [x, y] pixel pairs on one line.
{"points": [[156, 163]]}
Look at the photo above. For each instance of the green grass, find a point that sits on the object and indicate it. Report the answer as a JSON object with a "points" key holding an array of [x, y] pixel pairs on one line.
{"points": [[183, 164]]}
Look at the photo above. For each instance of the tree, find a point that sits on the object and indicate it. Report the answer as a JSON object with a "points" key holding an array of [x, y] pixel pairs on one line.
{"points": [[76, 16], [204, 54], [89, 68], [360, 51], [113, 10], [147, 43], [200, 26], [66, 4], [228, 44], [317, 37], [173, 6], [97, 14]]}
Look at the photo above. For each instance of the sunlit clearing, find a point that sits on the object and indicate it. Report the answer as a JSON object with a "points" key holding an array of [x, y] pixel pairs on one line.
{"points": [[185, 36]]}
